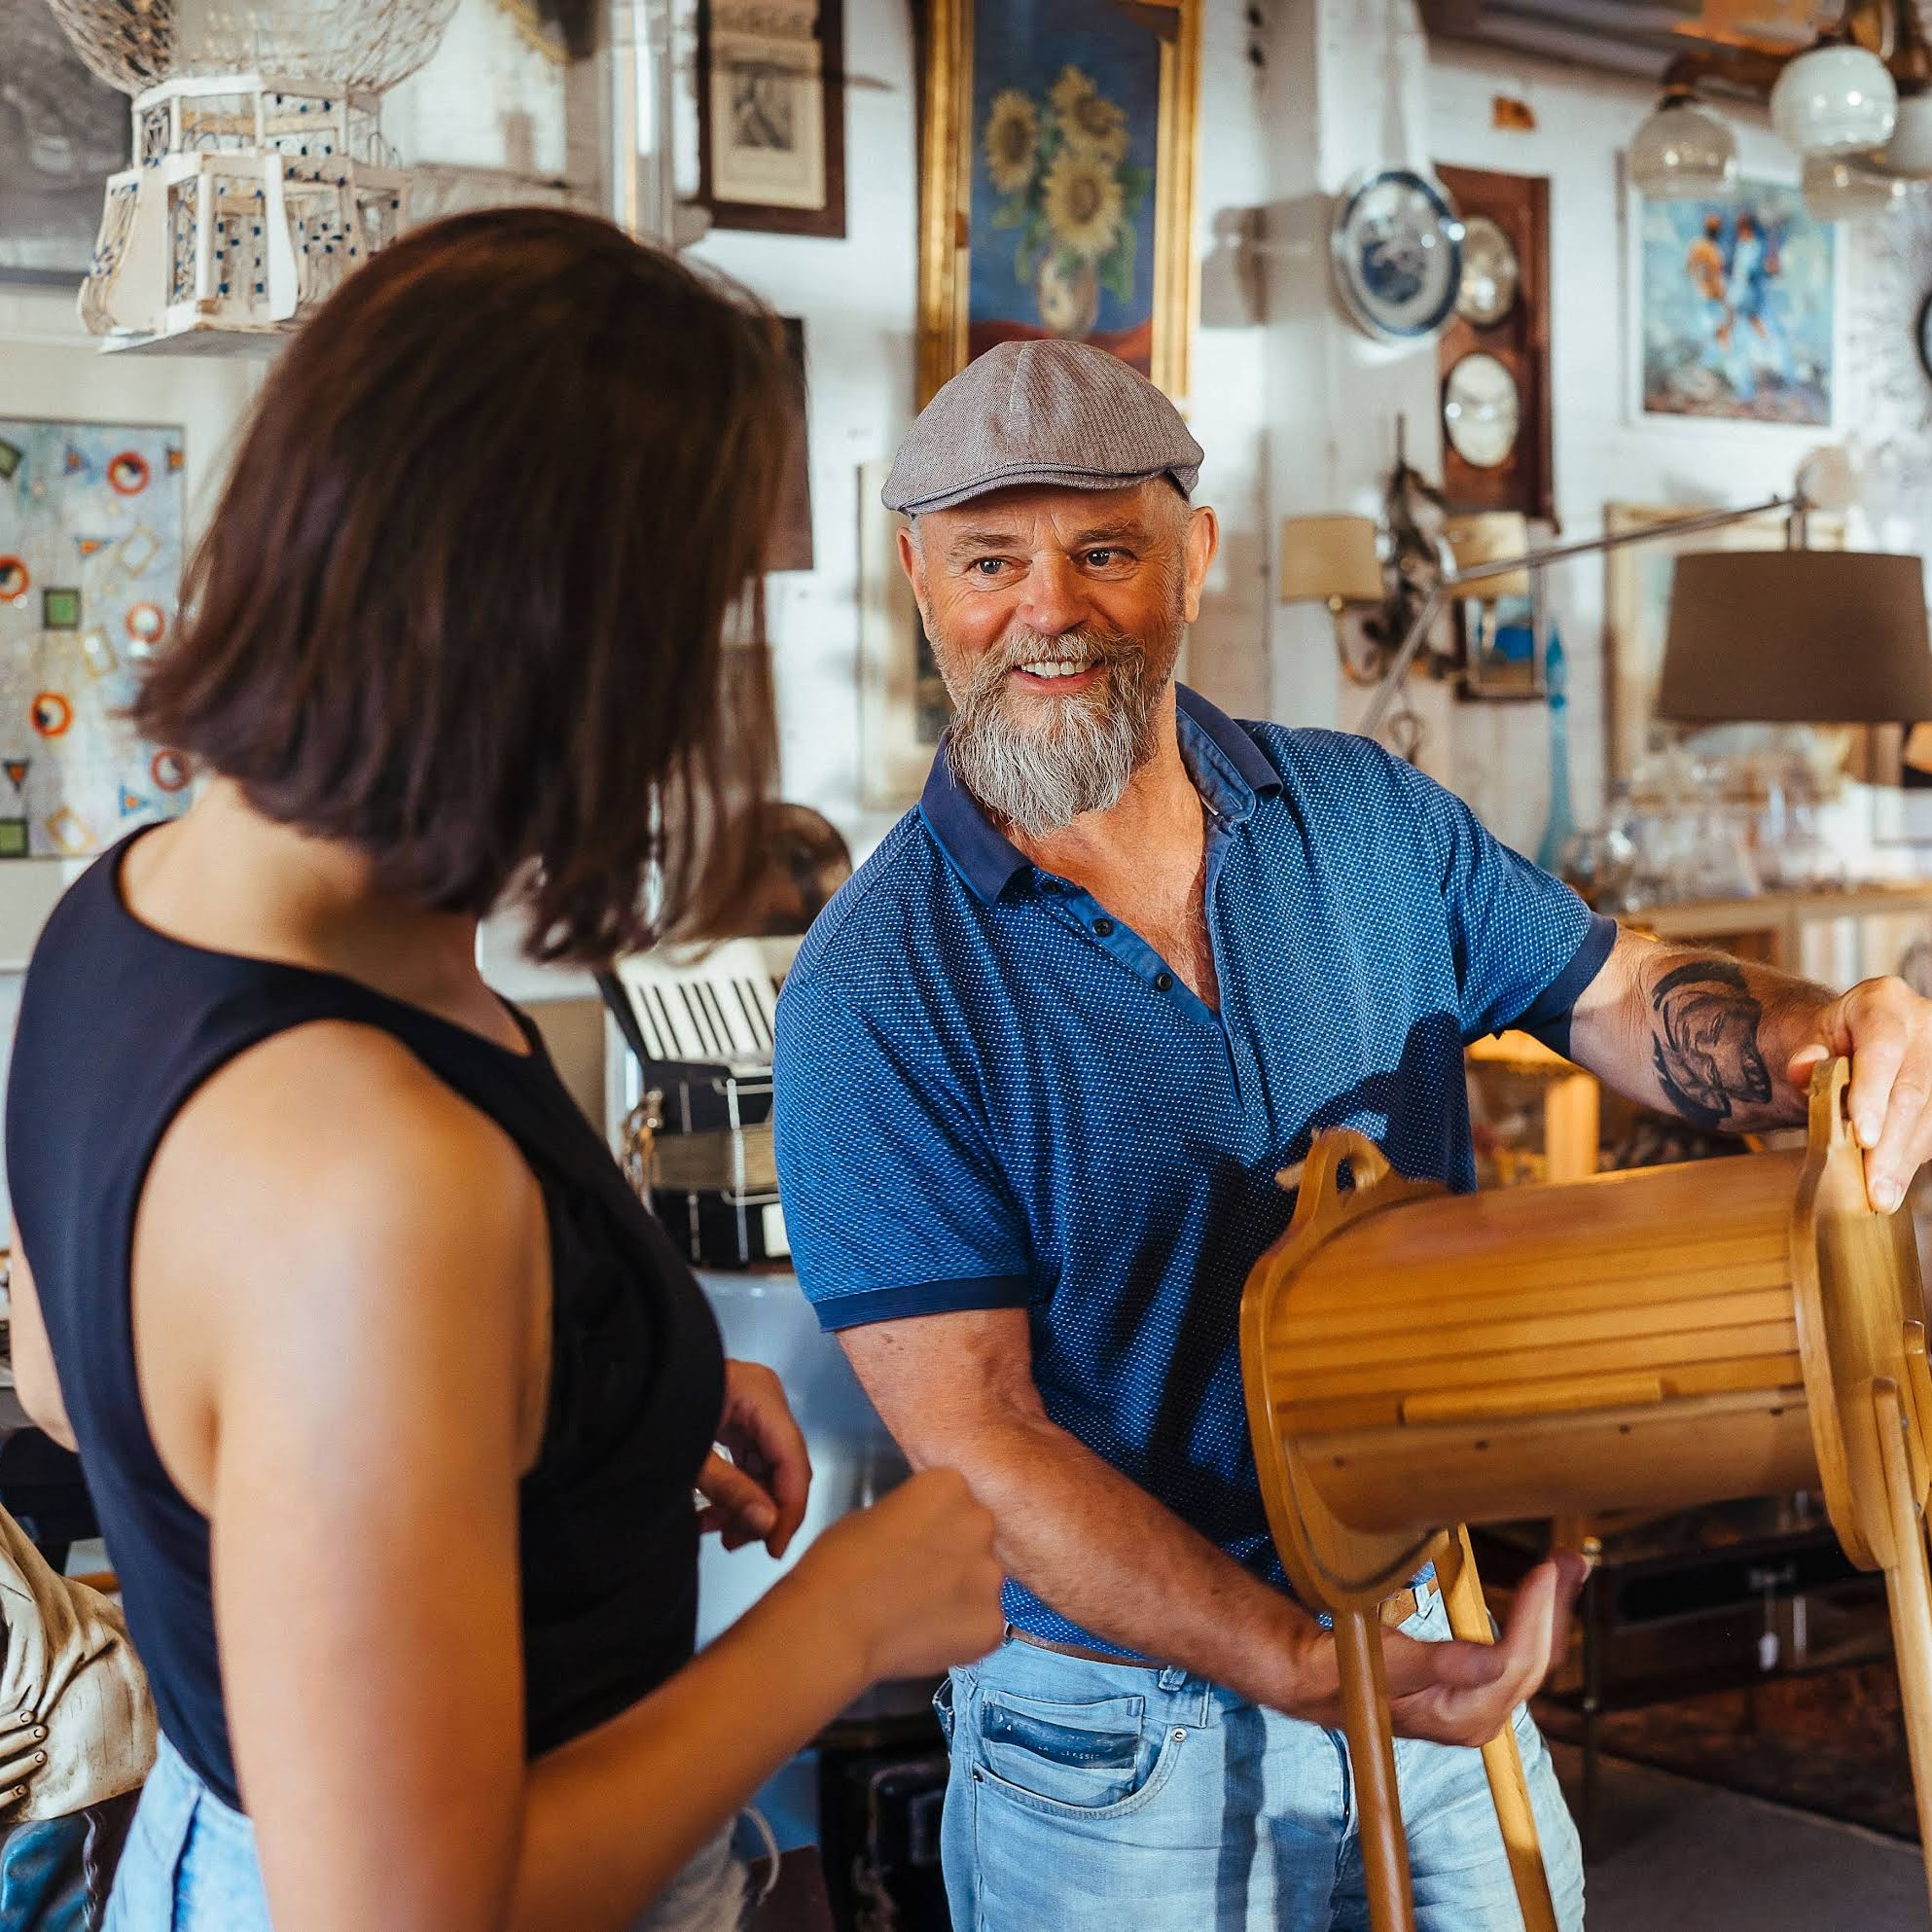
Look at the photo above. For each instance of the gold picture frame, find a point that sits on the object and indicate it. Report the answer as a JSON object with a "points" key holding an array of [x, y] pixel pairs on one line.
{"points": [[1118, 182]]}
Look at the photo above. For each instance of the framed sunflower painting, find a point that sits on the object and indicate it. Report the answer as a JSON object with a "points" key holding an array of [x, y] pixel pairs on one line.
{"points": [[1058, 180]]}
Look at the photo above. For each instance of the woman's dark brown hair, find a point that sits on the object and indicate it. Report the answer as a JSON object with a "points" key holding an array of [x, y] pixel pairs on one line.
{"points": [[464, 603]]}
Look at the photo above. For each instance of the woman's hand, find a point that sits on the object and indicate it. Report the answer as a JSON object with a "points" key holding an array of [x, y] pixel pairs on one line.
{"points": [[759, 1495], [913, 1579]]}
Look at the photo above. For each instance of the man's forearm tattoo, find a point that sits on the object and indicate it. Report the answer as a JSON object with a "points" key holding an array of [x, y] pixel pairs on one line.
{"points": [[1704, 1042]]}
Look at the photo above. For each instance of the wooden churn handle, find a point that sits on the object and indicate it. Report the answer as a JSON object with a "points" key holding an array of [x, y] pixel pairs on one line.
{"points": [[1502, 1761], [1372, 1757], [1365, 1721]]}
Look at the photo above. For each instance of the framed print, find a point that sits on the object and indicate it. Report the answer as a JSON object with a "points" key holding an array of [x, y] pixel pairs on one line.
{"points": [[1058, 181], [63, 132], [902, 702], [790, 546], [1734, 311], [1636, 615], [90, 556], [771, 114]]}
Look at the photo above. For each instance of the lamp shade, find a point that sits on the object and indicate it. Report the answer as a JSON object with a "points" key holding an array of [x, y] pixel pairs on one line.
{"points": [[1330, 557], [1910, 153], [1797, 636], [1835, 100], [1840, 189], [1682, 151]]}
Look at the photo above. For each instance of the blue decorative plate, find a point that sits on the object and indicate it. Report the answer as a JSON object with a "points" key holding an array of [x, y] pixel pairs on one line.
{"points": [[1397, 247]]}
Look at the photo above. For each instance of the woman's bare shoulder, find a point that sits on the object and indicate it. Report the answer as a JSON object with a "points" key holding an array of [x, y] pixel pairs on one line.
{"points": [[332, 1146]]}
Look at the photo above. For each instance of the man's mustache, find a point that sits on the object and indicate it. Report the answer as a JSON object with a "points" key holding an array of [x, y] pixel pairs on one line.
{"points": [[1068, 647]]}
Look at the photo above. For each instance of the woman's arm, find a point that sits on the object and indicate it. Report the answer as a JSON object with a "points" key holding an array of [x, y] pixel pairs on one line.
{"points": [[34, 1380], [900, 1590], [333, 1308]]}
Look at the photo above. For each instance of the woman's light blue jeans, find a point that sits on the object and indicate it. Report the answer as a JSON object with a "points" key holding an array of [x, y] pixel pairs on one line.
{"points": [[1090, 1797], [190, 1867]]}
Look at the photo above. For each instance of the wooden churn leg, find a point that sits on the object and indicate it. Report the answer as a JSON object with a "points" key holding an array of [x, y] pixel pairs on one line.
{"points": [[1909, 1593], [1358, 1644], [1502, 1761]]}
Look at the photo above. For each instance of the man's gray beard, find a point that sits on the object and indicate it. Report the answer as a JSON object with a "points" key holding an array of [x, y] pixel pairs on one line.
{"points": [[1041, 777]]}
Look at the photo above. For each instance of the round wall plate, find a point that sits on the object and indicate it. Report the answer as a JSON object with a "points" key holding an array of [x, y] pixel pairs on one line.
{"points": [[1396, 244]]}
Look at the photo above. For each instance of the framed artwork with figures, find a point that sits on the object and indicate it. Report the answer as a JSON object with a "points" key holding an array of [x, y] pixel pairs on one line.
{"points": [[770, 89], [1058, 181], [1734, 311]]}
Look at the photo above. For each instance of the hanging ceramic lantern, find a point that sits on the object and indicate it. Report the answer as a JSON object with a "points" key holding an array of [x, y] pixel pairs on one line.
{"points": [[259, 177]]}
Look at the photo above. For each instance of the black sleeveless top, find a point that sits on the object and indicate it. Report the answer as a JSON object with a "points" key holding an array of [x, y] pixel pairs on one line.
{"points": [[119, 1025]]}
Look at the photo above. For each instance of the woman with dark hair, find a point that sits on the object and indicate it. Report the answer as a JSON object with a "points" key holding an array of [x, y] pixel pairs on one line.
{"points": [[391, 1397]]}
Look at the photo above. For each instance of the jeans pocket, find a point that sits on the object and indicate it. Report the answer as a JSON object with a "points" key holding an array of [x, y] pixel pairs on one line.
{"points": [[1083, 1757]]}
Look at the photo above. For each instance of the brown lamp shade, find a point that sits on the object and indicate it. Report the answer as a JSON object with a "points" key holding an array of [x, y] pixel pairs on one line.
{"points": [[1797, 636]]}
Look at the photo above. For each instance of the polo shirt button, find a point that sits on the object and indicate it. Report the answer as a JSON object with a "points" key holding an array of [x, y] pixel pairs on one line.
{"points": [[1163, 982], [1103, 927]]}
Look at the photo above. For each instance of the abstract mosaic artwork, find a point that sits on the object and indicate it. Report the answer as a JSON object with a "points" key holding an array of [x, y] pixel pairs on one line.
{"points": [[90, 556]]}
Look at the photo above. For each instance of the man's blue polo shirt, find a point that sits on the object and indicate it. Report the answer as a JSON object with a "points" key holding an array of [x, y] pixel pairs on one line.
{"points": [[992, 1094]]}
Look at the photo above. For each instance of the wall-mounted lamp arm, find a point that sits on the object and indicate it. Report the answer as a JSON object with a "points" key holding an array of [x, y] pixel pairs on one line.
{"points": [[1452, 582]]}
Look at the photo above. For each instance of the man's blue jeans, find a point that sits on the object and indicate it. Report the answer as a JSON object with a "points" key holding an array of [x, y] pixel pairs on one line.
{"points": [[1091, 1797]]}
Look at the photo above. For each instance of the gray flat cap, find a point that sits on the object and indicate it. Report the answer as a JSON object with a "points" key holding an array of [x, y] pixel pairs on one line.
{"points": [[1040, 413]]}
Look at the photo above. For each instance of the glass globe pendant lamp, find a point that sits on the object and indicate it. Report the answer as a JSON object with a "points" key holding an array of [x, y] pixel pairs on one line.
{"points": [[1843, 187], [259, 177], [1682, 151], [1836, 99]]}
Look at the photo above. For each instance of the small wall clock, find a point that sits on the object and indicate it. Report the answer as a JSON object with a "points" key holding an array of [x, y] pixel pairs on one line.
{"points": [[1396, 243], [1481, 410], [1491, 274], [1493, 356]]}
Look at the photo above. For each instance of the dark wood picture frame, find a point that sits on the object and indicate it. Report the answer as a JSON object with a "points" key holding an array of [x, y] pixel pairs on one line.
{"points": [[826, 224], [791, 547], [1520, 205]]}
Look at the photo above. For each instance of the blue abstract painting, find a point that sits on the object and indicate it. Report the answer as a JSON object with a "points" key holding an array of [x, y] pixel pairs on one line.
{"points": [[1737, 308]]}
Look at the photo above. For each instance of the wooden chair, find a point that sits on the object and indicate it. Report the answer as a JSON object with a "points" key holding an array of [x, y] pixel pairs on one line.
{"points": [[1652, 1340]]}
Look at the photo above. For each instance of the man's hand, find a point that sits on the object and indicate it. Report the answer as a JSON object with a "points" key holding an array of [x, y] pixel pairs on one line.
{"points": [[1454, 1693], [759, 1495], [1462, 1692], [1886, 1030]]}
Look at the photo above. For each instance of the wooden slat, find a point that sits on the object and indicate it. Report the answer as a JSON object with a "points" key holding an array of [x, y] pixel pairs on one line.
{"points": [[1370, 1315], [1326, 1414], [1415, 1269], [1485, 1365], [1536, 1335], [1562, 1396]]}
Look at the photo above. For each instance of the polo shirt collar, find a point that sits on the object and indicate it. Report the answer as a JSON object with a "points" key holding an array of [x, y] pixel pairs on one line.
{"points": [[1230, 770]]}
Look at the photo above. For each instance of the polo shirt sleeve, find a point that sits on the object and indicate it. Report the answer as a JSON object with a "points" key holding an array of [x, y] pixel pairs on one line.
{"points": [[894, 1202], [1525, 945]]}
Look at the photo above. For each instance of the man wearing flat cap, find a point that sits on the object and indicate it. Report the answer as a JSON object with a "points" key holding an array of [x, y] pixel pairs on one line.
{"points": [[1039, 1064]]}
